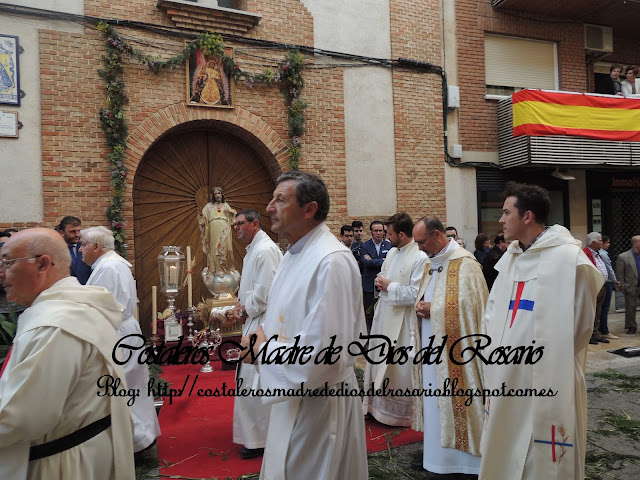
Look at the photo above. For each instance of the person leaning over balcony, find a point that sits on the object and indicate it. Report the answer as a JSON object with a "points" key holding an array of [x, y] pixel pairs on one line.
{"points": [[611, 85], [631, 84]]}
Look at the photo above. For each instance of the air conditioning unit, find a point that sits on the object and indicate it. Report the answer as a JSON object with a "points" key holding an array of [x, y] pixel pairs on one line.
{"points": [[598, 38]]}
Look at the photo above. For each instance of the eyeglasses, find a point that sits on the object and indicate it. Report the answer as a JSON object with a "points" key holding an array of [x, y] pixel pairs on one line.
{"points": [[6, 263], [452, 235], [238, 224]]}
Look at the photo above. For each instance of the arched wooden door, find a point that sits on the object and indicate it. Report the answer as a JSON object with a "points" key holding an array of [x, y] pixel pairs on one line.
{"points": [[170, 187]]}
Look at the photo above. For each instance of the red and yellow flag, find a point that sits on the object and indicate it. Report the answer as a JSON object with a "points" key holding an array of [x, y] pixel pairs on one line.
{"points": [[551, 113]]}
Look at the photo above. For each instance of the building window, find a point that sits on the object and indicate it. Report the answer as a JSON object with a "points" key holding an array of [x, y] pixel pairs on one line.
{"points": [[512, 64]]}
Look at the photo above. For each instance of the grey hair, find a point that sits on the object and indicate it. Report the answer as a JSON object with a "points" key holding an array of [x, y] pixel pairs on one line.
{"points": [[593, 237], [634, 240], [309, 188], [250, 214], [101, 235]]}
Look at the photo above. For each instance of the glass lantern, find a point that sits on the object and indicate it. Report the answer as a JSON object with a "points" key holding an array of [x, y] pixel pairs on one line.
{"points": [[171, 266]]}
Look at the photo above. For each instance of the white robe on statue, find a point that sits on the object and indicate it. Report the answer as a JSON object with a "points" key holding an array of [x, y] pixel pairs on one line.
{"points": [[113, 272], [48, 390], [250, 415], [392, 318], [316, 294], [452, 430], [546, 294]]}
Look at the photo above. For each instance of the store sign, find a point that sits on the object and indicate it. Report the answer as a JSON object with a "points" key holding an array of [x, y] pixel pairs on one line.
{"points": [[617, 182]]}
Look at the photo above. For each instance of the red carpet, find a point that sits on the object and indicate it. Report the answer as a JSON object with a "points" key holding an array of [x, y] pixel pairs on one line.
{"points": [[197, 431]]}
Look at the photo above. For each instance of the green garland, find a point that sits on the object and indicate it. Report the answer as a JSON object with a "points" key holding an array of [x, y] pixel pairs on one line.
{"points": [[288, 75]]}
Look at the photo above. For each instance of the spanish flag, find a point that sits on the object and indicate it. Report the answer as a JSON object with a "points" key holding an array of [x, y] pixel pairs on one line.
{"points": [[536, 113]]}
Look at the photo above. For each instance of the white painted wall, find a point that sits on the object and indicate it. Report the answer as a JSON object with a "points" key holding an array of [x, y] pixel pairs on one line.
{"points": [[21, 158], [362, 27]]}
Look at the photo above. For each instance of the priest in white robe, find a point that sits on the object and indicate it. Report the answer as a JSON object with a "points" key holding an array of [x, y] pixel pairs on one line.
{"points": [[315, 296], [545, 298], [111, 271], [250, 415], [48, 385], [398, 283], [451, 301]]}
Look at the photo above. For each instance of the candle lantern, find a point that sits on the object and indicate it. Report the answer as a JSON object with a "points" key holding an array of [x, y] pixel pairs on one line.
{"points": [[171, 266]]}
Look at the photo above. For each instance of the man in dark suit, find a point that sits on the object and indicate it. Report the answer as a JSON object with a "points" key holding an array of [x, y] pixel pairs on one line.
{"points": [[491, 258], [69, 228], [372, 254], [628, 271]]}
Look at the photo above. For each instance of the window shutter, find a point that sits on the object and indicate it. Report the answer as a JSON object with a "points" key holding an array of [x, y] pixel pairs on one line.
{"points": [[519, 63]]}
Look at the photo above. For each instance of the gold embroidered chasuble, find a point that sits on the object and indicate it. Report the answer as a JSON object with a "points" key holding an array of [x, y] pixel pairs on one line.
{"points": [[457, 308]]}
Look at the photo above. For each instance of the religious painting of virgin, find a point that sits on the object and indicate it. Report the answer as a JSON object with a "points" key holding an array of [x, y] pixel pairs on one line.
{"points": [[9, 73], [208, 84]]}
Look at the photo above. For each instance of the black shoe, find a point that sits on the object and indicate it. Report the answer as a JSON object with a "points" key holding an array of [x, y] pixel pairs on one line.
{"points": [[603, 340], [247, 453], [592, 341]]}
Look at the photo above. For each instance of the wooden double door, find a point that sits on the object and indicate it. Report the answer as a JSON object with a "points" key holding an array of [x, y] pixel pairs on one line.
{"points": [[172, 184]]}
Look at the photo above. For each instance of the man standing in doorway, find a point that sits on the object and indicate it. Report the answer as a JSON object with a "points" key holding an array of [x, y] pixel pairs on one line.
{"points": [[545, 293]]}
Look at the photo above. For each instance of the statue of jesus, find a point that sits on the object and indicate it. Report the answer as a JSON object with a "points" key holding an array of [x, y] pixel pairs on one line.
{"points": [[215, 223]]}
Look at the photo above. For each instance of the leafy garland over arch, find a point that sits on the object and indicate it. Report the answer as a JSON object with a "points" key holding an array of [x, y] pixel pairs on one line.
{"points": [[288, 75]]}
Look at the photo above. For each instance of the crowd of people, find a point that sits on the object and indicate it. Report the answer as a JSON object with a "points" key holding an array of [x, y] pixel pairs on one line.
{"points": [[437, 325]]}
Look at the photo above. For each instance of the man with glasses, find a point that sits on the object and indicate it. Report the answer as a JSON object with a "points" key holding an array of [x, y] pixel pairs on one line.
{"points": [[250, 415], [372, 254], [346, 235], [53, 424], [111, 271], [450, 306]]}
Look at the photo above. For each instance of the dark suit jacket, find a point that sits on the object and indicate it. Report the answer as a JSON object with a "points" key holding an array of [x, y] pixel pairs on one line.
{"points": [[79, 269], [371, 268], [490, 260], [627, 272], [608, 86]]}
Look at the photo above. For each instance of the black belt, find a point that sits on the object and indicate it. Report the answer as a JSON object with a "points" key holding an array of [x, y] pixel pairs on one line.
{"points": [[69, 441]]}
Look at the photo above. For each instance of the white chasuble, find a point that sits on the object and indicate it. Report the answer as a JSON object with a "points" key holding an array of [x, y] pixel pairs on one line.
{"points": [[543, 298], [454, 285], [393, 314], [250, 415], [316, 294], [113, 272], [48, 390]]}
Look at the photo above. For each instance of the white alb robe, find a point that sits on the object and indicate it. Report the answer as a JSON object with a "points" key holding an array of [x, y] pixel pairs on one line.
{"points": [[63, 345], [392, 318], [113, 272], [250, 415], [451, 432], [316, 294], [546, 294]]}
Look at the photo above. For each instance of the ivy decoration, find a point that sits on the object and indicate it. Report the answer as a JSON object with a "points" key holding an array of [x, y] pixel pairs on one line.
{"points": [[112, 118]]}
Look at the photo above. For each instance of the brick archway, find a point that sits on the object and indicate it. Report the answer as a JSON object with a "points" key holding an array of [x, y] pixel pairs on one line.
{"points": [[239, 122]]}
